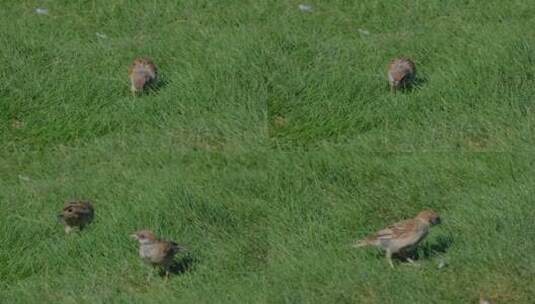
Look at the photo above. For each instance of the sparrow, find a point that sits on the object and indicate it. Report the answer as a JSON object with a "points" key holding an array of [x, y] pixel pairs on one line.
{"points": [[403, 236], [76, 214], [142, 73], [156, 252], [401, 72]]}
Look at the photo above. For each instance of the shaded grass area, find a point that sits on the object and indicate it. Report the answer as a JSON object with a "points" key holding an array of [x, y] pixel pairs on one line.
{"points": [[272, 146]]}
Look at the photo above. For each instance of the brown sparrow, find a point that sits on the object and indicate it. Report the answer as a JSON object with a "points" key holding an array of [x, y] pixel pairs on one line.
{"points": [[401, 72], [156, 252], [76, 214], [403, 236], [142, 73]]}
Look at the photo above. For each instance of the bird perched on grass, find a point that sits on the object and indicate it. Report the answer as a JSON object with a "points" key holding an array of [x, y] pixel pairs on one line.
{"points": [[401, 73], [156, 252], [76, 214], [142, 73], [403, 236]]}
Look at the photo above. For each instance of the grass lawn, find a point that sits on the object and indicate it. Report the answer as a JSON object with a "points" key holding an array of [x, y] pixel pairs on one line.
{"points": [[271, 146]]}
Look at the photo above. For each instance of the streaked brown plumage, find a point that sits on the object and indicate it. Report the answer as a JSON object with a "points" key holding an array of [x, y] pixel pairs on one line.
{"points": [[403, 236], [156, 252], [401, 72], [76, 214], [142, 73]]}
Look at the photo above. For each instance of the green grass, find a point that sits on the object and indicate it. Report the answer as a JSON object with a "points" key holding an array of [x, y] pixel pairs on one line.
{"points": [[272, 145]]}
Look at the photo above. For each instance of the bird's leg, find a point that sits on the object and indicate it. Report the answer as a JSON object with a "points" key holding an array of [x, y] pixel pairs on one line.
{"points": [[168, 270], [412, 262], [150, 274], [389, 258], [166, 275]]}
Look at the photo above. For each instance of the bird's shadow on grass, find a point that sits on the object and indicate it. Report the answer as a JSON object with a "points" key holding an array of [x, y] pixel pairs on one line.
{"points": [[430, 250], [154, 87], [418, 82], [442, 244], [157, 85], [181, 266], [427, 250], [414, 84]]}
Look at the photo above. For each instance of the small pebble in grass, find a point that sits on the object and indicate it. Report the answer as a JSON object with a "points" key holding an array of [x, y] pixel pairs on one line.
{"points": [[280, 121], [41, 11], [364, 32], [24, 178], [17, 124], [100, 35], [305, 7]]}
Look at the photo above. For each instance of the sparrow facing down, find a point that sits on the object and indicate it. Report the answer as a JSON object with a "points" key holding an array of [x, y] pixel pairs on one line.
{"points": [[156, 252], [142, 73], [403, 236], [76, 214], [401, 72]]}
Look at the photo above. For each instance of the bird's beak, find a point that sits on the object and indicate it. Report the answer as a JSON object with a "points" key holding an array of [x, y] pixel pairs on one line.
{"points": [[134, 236]]}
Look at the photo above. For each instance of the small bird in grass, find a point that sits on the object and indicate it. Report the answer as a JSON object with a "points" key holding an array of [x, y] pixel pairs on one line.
{"points": [[142, 73], [401, 73], [76, 214], [403, 236], [157, 252]]}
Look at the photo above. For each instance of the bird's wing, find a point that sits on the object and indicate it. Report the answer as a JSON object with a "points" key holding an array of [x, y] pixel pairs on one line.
{"points": [[160, 252], [79, 206], [82, 213], [151, 69], [69, 205], [396, 231], [168, 249], [85, 211]]}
